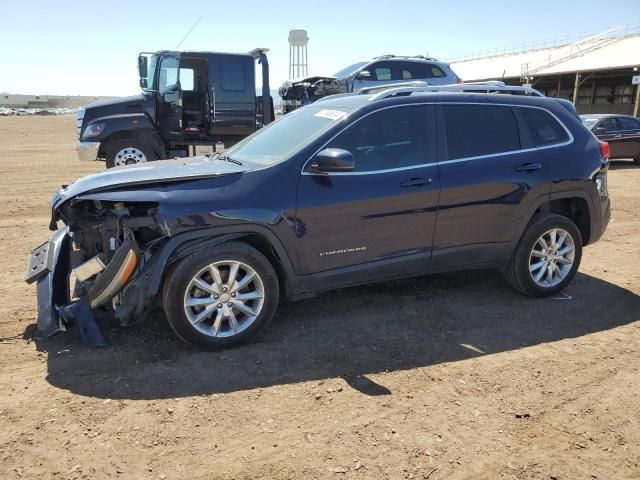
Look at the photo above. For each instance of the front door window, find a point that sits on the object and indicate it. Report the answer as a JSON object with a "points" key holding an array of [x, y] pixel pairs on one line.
{"points": [[168, 77]]}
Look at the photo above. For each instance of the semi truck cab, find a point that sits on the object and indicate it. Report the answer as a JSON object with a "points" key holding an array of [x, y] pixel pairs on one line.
{"points": [[187, 99]]}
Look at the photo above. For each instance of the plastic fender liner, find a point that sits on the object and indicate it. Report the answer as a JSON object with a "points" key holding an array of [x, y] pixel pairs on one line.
{"points": [[116, 275]]}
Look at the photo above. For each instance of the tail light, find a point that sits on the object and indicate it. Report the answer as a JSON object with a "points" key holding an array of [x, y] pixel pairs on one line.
{"points": [[601, 177]]}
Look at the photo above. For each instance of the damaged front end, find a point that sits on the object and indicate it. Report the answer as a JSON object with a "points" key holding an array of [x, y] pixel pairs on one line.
{"points": [[297, 93], [97, 260]]}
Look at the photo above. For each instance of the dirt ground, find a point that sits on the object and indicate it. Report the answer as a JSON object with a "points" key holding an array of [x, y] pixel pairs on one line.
{"points": [[443, 377]]}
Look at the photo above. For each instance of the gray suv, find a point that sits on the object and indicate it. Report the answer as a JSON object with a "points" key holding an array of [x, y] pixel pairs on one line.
{"points": [[383, 70]]}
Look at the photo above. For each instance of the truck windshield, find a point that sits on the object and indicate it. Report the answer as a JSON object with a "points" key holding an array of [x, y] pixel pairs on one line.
{"points": [[345, 72], [151, 72], [286, 136]]}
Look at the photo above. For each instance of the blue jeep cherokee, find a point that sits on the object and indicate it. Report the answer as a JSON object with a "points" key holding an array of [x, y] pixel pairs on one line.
{"points": [[346, 191]]}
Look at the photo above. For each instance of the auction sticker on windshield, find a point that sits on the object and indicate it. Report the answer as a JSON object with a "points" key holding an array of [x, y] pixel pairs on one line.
{"points": [[331, 114]]}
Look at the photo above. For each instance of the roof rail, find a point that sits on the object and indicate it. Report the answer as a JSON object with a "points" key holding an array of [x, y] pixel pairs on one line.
{"points": [[381, 88], [391, 55], [477, 87]]}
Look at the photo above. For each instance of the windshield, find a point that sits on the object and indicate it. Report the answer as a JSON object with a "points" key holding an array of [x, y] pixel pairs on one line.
{"points": [[151, 71], [345, 72], [284, 137], [589, 122]]}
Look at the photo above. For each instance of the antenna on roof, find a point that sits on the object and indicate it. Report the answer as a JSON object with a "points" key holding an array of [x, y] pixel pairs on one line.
{"points": [[504, 72], [188, 33]]}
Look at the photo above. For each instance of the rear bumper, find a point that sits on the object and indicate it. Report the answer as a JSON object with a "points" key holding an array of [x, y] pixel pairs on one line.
{"points": [[88, 151], [600, 220]]}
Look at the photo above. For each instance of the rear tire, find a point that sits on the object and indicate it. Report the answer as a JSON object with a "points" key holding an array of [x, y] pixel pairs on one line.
{"points": [[547, 256], [221, 296], [127, 152]]}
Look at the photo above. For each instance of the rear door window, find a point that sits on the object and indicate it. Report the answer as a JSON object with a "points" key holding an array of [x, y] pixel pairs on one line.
{"points": [[232, 74], [186, 79], [627, 123], [544, 128], [411, 70], [389, 138], [476, 130]]}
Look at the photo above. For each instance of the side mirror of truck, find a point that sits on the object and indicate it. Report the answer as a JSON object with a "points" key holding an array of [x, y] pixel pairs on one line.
{"points": [[333, 160], [364, 75], [143, 83], [600, 131], [142, 67]]}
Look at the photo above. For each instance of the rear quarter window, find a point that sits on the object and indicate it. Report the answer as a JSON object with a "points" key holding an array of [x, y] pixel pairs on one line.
{"points": [[476, 130], [433, 71], [544, 128]]}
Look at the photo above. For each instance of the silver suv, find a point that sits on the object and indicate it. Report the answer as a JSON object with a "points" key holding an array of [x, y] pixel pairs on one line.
{"points": [[383, 70]]}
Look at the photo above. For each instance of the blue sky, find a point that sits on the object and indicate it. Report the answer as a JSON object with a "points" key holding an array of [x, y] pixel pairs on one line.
{"points": [[90, 48]]}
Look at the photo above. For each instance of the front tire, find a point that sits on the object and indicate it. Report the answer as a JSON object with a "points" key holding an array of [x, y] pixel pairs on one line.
{"points": [[221, 296], [128, 152], [547, 256]]}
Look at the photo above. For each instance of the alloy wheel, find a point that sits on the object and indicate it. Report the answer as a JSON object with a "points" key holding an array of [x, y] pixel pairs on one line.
{"points": [[551, 257], [224, 298]]}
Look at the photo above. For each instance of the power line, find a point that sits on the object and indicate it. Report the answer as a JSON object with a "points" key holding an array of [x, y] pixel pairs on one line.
{"points": [[188, 33]]}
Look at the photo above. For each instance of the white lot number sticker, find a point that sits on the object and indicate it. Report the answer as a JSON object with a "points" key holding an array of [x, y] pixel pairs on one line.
{"points": [[331, 114]]}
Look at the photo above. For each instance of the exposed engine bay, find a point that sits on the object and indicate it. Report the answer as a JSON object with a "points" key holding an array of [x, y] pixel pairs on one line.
{"points": [[110, 242], [115, 242], [310, 89]]}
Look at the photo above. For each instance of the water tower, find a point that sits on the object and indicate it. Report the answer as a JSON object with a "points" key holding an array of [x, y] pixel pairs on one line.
{"points": [[298, 40]]}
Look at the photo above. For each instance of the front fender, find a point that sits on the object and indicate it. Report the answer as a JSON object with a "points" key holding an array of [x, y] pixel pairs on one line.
{"points": [[131, 125], [186, 243]]}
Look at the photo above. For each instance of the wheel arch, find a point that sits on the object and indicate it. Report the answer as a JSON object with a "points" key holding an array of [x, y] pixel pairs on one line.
{"points": [[573, 204], [187, 243], [134, 127]]}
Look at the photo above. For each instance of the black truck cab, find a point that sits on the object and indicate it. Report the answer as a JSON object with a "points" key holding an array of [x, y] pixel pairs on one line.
{"points": [[187, 99]]}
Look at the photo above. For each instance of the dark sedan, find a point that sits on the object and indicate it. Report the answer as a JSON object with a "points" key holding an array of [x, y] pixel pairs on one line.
{"points": [[621, 132]]}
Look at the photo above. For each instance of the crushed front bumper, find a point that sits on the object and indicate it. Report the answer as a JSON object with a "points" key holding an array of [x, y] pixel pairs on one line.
{"points": [[52, 275], [88, 151]]}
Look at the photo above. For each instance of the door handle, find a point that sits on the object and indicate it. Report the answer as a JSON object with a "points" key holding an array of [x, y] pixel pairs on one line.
{"points": [[528, 167], [213, 102], [417, 182]]}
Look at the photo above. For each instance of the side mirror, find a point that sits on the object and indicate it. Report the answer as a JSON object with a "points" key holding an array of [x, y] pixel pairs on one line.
{"points": [[142, 66], [333, 160], [143, 83], [600, 131], [364, 75]]}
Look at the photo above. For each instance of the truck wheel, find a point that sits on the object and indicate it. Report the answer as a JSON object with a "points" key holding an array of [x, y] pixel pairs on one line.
{"points": [[220, 296], [128, 152], [547, 257]]}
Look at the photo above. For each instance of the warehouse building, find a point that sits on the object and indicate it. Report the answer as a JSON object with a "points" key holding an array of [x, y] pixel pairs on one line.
{"points": [[45, 101], [598, 73]]}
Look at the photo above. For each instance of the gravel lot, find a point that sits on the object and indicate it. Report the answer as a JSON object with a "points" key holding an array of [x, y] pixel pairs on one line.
{"points": [[442, 377]]}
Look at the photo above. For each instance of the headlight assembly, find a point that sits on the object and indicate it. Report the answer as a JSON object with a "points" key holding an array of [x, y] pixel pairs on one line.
{"points": [[93, 131]]}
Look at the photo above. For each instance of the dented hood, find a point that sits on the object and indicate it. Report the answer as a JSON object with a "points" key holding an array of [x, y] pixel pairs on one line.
{"points": [[162, 171]]}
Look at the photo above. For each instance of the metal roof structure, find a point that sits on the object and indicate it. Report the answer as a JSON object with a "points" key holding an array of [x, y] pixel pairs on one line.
{"points": [[608, 50]]}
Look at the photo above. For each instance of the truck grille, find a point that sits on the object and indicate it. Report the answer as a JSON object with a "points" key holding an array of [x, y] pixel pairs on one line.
{"points": [[79, 118]]}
